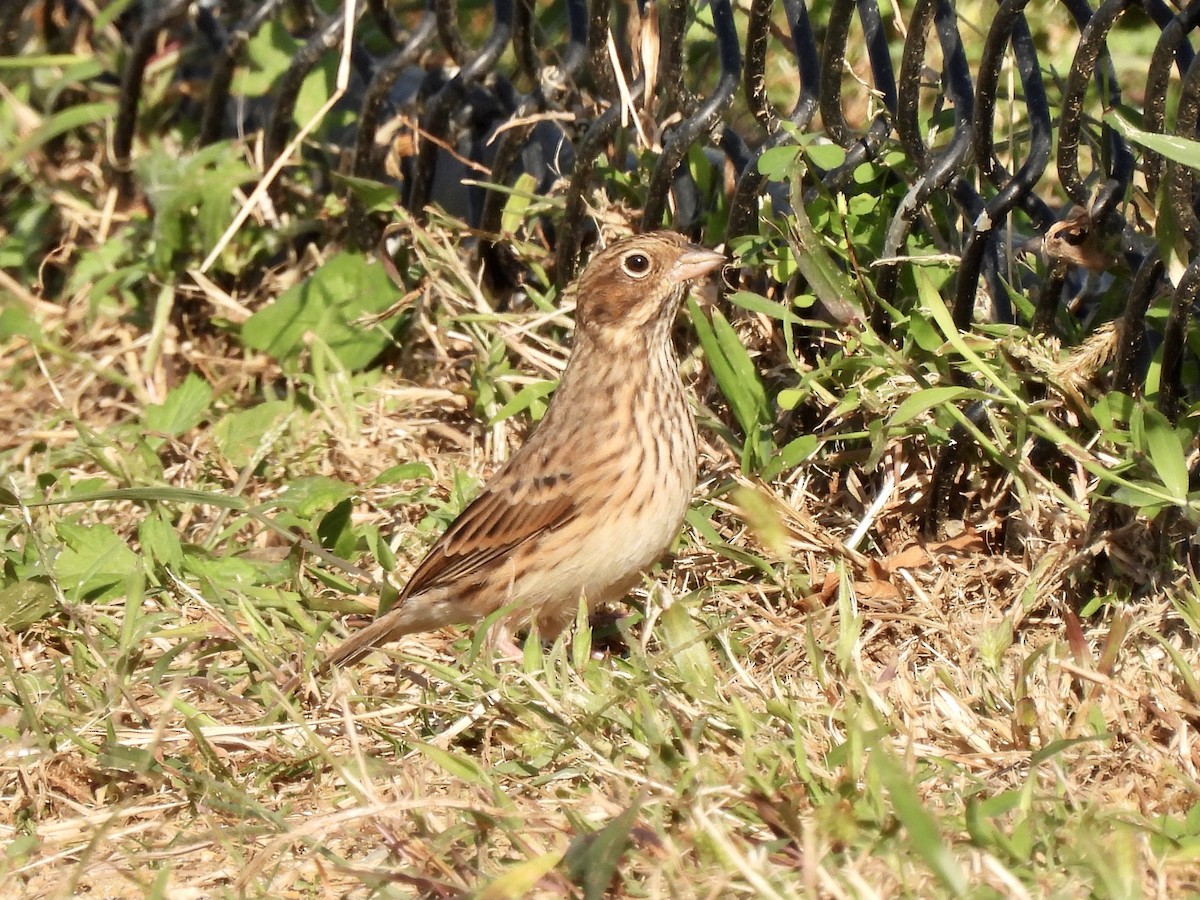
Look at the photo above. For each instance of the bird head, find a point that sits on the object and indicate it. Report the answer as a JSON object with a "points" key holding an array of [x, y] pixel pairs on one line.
{"points": [[631, 290]]}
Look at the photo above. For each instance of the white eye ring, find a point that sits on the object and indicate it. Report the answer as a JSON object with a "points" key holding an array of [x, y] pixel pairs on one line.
{"points": [[636, 264]]}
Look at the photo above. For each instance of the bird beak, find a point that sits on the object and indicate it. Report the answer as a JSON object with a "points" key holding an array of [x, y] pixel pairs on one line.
{"points": [[694, 262]]}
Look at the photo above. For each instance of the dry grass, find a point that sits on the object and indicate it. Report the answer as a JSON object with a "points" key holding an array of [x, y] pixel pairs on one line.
{"points": [[755, 727], [1010, 711]]}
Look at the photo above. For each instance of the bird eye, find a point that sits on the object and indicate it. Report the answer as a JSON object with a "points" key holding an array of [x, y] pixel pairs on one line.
{"points": [[636, 264]]}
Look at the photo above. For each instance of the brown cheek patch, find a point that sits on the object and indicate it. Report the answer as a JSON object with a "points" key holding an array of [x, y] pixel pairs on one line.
{"points": [[609, 298], [615, 297]]}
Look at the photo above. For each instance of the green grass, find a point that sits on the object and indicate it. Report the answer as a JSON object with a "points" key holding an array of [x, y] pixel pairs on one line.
{"points": [[207, 478]]}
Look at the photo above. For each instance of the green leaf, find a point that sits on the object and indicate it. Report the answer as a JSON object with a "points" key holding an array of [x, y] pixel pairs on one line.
{"points": [[109, 14], [924, 334], [375, 196], [183, 408], [26, 603], [326, 304], [15, 321], [1112, 410], [527, 397], [978, 819], [760, 304], [95, 562], [70, 119], [790, 455], [686, 649], [777, 162], [700, 520], [733, 369], [1175, 248], [581, 640], [516, 208], [933, 304], [124, 758], [335, 531], [798, 449], [191, 194], [762, 517], [825, 277], [455, 764], [789, 398], [518, 881], [228, 574], [306, 496], [159, 538], [1182, 665], [413, 471], [592, 859], [136, 495], [1054, 748], [1137, 429], [1177, 149], [84, 487], [1166, 453], [267, 56], [1142, 495], [826, 156], [315, 91], [239, 434], [922, 829], [927, 399], [41, 61]]}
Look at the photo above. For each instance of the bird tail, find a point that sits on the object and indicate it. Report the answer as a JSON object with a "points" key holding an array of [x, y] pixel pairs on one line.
{"points": [[408, 616], [360, 644]]}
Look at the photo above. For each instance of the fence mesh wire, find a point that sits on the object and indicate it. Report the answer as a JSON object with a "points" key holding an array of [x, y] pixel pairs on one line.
{"points": [[1000, 150]]}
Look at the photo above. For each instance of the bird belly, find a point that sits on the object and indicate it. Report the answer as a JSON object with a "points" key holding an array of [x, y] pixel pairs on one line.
{"points": [[606, 561]]}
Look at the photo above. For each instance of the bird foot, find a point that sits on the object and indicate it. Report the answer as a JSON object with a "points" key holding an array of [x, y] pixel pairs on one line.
{"points": [[501, 645]]}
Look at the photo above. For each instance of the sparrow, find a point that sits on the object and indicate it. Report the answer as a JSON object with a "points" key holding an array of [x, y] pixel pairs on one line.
{"points": [[600, 488]]}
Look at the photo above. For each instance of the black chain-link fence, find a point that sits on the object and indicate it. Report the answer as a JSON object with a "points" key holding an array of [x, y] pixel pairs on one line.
{"points": [[471, 95], [549, 90]]}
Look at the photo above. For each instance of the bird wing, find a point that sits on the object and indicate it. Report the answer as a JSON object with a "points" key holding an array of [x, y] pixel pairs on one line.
{"points": [[497, 522], [494, 524]]}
